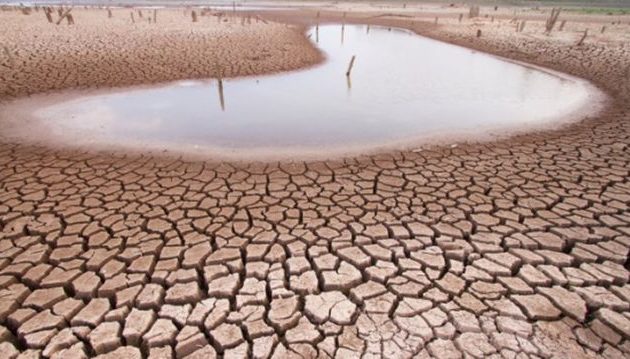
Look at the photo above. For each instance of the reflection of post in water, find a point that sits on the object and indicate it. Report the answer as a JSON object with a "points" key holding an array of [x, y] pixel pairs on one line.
{"points": [[367, 31], [343, 29], [350, 66], [317, 33], [221, 99], [349, 82]]}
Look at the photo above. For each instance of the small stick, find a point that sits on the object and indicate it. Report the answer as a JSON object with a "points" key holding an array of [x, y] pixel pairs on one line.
{"points": [[64, 15], [343, 30], [221, 99], [350, 66], [562, 25], [583, 37]]}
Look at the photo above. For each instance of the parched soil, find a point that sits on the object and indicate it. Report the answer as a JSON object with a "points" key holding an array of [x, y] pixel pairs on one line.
{"points": [[98, 51], [516, 248]]}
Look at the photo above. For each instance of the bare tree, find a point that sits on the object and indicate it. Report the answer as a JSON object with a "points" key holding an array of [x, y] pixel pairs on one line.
{"points": [[551, 21]]}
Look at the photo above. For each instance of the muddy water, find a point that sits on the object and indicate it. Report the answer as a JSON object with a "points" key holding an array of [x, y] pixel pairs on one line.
{"points": [[404, 90]]}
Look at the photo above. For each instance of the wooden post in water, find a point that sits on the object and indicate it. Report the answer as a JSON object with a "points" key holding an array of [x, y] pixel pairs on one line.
{"points": [[343, 29], [349, 72], [221, 99]]}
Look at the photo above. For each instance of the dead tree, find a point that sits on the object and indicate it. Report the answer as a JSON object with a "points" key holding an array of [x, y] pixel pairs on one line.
{"points": [[551, 21], [48, 12], [64, 15]]}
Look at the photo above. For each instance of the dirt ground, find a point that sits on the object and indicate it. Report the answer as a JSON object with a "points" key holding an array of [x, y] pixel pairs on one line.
{"points": [[515, 248], [99, 51]]}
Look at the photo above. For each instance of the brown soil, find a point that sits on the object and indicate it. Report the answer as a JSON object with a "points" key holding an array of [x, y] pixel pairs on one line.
{"points": [[98, 51], [516, 248]]}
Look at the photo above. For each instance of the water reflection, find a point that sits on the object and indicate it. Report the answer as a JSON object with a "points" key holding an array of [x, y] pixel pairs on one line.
{"points": [[401, 87]]}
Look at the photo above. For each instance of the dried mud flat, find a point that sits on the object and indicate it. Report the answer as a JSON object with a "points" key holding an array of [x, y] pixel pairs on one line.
{"points": [[98, 51], [513, 249]]}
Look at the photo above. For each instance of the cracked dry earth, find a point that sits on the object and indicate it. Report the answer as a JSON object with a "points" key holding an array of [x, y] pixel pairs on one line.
{"points": [[514, 249]]}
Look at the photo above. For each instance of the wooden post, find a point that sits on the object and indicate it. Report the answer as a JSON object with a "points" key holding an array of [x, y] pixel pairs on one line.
{"points": [[479, 33], [221, 99], [350, 66], [154, 16], [132, 18], [583, 37], [562, 25], [194, 16], [343, 29]]}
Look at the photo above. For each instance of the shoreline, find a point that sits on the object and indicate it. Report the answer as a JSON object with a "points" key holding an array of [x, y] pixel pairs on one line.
{"points": [[598, 101], [302, 19]]}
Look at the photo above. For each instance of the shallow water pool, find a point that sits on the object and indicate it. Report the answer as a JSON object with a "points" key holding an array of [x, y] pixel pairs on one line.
{"points": [[404, 90]]}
